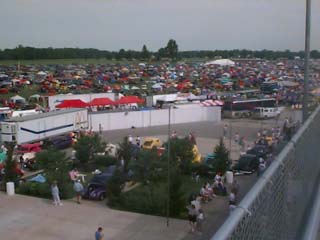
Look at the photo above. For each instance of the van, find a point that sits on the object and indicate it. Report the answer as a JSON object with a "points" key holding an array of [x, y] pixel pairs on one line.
{"points": [[263, 112]]}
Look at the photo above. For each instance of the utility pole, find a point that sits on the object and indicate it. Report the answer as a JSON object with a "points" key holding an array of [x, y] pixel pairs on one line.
{"points": [[306, 61], [168, 166]]}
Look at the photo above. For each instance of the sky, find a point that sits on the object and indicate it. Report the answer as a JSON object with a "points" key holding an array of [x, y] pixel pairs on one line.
{"points": [[128, 24]]}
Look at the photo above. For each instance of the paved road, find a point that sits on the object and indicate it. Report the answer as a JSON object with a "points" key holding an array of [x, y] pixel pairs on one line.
{"points": [[27, 218]]}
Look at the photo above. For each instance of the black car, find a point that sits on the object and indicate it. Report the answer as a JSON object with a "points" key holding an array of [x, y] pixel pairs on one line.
{"points": [[59, 142], [247, 163], [259, 151]]}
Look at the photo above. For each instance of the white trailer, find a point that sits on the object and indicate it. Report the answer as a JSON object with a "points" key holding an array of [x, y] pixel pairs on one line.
{"points": [[41, 126]]}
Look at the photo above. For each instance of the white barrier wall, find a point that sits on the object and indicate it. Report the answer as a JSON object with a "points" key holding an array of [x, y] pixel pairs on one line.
{"points": [[125, 120]]}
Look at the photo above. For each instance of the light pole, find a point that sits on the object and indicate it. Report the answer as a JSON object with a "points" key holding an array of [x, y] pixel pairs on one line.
{"points": [[306, 61], [168, 166]]}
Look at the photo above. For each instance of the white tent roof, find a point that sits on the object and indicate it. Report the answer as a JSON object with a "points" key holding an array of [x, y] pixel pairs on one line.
{"points": [[41, 73], [17, 98], [221, 62]]}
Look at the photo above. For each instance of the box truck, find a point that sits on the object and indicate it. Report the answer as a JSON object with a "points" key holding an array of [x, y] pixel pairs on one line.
{"points": [[38, 127]]}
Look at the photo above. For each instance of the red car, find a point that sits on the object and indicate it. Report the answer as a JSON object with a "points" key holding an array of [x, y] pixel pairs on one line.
{"points": [[28, 148]]}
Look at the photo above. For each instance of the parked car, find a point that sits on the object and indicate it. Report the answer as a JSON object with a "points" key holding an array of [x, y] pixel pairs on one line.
{"points": [[247, 163], [196, 154], [59, 142], [151, 142], [259, 151], [96, 189], [28, 148]]}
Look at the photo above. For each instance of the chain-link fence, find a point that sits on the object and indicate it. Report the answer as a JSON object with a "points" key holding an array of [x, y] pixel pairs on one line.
{"points": [[278, 205]]}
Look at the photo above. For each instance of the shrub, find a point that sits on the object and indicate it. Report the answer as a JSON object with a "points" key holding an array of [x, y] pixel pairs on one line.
{"points": [[43, 190], [35, 189], [105, 161]]}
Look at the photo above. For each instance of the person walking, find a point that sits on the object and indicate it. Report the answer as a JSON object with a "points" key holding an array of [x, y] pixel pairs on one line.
{"points": [[192, 215], [55, 194], [99, 234], [78, 188], [225, 131], [200, 219]]}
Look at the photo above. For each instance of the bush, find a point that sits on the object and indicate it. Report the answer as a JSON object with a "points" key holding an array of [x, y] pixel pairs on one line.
{"points": [[146, 200], [105, 161], [202, 169], [42, 190]]}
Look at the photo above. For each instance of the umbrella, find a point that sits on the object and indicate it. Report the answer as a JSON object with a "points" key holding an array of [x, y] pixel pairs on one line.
{"points": [[73, 103], [101, 102]]}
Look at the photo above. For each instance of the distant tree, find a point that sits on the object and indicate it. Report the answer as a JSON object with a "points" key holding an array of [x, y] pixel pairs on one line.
{"points": [[221, 162], [145, 54], [121, 54], [172, 49], [162, 53]]}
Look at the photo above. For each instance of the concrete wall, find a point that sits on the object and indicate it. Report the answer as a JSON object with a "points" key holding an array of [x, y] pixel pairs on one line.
{"points": [[125, 120]]}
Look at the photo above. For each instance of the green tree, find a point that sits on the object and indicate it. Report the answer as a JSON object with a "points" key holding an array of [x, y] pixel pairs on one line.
{"points": [[56, 167], [87, 146], [177, 201], [221, 161], [172, 49], [125, 153], [181, 154], [148, 167], [10, 173], [145, 54], [114, 188]]}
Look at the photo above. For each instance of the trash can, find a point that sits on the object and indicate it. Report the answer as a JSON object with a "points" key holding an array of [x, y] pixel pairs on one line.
{"points": [[10, 188], [229, 176]]}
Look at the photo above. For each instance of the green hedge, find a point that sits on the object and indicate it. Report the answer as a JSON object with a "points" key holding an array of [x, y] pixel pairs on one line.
{"points": [[43, 190]]}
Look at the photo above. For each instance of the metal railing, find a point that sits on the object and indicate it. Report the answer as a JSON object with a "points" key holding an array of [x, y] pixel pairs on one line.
{"points": [[280, 203]]}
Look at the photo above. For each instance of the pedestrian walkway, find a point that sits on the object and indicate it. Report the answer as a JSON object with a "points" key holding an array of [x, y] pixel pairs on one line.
{"points": [[217, 210], [26, 218]]}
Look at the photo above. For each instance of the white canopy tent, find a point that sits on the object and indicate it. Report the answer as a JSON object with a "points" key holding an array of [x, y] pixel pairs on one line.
{"points": [[17, 98], [221, 62]]}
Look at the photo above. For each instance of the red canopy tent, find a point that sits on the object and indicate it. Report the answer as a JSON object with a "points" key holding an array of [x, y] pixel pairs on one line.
{"points": [[101, 102], [129, 100], [73, 103]]}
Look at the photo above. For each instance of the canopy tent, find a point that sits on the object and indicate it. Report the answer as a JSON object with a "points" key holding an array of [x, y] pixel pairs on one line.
{"points": [[101, 102], [129, 100], [73, 103], [17, 98], [41, 73], [209, 103], [35, 96], [221, 62]]}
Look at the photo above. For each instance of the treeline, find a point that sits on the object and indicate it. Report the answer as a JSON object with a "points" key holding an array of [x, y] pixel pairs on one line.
{"points": [[170, 51]]}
